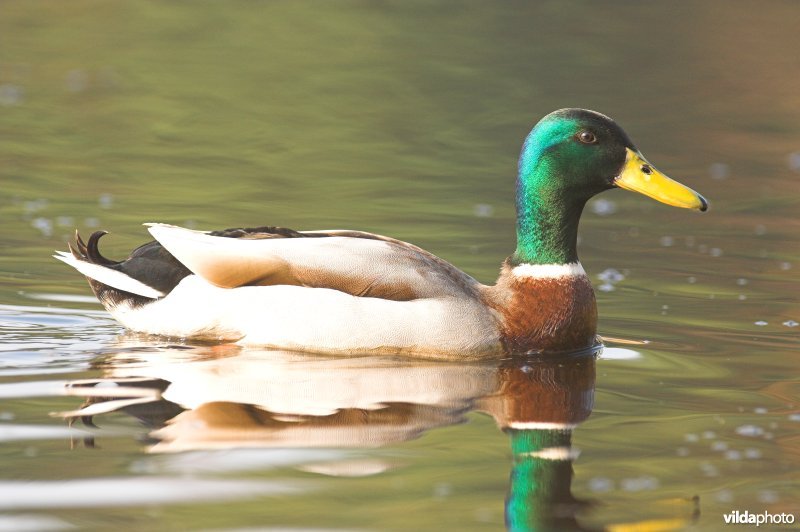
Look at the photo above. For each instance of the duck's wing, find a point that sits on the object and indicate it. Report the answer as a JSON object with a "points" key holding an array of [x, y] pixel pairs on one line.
{"points": [[354, 262]]}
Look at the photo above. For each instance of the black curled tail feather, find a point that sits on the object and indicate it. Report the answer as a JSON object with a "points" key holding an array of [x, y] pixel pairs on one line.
{"points": [[149, 264], [93, 252], [107, 295], [90, 252]]}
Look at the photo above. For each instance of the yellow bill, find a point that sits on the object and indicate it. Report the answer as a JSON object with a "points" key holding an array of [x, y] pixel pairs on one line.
{"points": [[640, 176]]}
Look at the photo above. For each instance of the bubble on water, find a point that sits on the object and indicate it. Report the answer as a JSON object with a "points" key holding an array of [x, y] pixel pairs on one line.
{"points": [[719, 446], [600, 484], [749, 430], [682, 451], [794, 417], [733, 455], [752, 454], [7, 416], [11, 94], [666, 241], [639, 483], [719, 171], [767, 496], [794, 161], [715, 252], [30, 452], [709, 435], [105, 200], [742, 297], [603, 207], [77, 80], [610, 275], [760, 410], [741, 281], [724, 496], [709, 469], [442, 490], [691, 438], [761, 323], [483, 210], [65, 221], [44, 225], [30, 207], [790, 323], [691, 279], [760, 230], [786, 266]]}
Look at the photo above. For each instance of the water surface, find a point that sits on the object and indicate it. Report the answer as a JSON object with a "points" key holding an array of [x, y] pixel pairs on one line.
{"points": [[405, 119]]}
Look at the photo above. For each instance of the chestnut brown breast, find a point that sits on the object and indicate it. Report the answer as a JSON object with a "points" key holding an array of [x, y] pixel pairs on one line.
{"points": [[546, 315]]}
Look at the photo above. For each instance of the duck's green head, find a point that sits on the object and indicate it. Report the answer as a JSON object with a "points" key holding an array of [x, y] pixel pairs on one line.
{"points": [[568, 157]]}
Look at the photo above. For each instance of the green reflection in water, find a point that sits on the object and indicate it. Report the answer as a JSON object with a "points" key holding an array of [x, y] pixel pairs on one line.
{"points": [[539, 496]]}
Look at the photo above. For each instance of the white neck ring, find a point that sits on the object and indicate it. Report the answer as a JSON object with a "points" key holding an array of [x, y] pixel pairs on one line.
{"points": [[549, 271]]}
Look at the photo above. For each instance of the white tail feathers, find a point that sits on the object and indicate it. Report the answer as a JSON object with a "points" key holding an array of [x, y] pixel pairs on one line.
{"points": [[107, 276]]}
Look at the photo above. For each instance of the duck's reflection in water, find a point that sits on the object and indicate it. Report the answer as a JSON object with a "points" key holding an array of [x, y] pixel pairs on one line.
{"points": [[538, 404], [222, 398]]}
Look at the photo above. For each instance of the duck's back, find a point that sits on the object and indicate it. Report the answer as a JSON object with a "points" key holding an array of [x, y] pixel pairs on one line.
{"points": [[354, 262]]}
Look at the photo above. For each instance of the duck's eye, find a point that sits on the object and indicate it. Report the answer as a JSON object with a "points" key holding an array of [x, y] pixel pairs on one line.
{"points": [[587, 137]]}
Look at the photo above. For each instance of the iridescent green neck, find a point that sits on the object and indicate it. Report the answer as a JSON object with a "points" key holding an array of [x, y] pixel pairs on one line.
{"points": [[547, 233], [547, 213], [547, 222]]}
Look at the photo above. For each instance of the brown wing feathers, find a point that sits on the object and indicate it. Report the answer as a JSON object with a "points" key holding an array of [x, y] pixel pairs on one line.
{"points": [[154, 266]]}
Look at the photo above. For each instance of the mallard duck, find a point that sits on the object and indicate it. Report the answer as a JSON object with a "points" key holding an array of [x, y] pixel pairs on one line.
{"points": [[347, 292]]}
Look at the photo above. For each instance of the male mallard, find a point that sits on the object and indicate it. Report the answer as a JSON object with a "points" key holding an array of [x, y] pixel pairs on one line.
{"points": [[355, 292]]}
